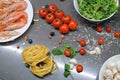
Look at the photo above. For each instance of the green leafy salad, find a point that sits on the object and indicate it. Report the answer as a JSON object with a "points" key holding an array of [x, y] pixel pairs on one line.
{"points": [[97, 9]]}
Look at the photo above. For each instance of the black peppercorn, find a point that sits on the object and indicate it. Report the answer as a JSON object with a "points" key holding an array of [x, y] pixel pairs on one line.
{"points": [[30, 41], [52, 34]]}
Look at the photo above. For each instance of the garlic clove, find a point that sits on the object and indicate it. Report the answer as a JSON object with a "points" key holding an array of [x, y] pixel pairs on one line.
{"points": [[98, 50], [108, 74], [73, 61], [71, 66]]}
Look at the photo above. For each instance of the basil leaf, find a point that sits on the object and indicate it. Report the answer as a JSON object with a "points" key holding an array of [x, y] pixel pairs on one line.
{"points": [[73, 53], [56, 51], [66, 73], [67, 67], [66, 45]]}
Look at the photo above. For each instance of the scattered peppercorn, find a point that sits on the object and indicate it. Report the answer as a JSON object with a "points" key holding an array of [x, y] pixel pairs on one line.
{"points": [[59, 41], [52, 34], [26, 37], [30, 41], [49, 36], [62, 36], [18, 47]]}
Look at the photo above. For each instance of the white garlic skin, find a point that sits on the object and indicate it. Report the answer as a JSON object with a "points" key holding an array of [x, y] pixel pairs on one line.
{"points": [[108, 74], [98, 50], [112, 66], [72, 66]]}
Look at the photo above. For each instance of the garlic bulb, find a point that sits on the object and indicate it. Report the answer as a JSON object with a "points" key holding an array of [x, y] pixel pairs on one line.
{"points": [[112, 66], [118, 65], [108, 74]]}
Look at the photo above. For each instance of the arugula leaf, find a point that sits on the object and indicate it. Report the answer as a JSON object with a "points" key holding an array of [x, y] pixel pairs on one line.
{"points": [[56, 51]]}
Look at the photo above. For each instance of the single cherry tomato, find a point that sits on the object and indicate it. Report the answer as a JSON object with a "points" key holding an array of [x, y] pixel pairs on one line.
{"points": [[100, 41], [67, 52], [73, 25], [56, 23], [116, 34], [66, 18], [50, 17], [52, 8], [59, 13], [108, 29], [99, 28], [64, 29], [43, 12], [82, 43], [82, 51], [79, 68]]}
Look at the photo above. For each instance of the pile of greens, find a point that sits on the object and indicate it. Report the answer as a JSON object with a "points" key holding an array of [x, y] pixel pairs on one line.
{"points": [[97, 9]]}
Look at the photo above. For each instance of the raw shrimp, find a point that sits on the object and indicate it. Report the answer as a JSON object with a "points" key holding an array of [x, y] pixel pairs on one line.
{"points": [[15, 16], [8, 34], [17, 6]]}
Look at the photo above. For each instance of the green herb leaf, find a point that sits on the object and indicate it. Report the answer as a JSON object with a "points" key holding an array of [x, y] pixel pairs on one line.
{"points": [[67, 67], [66, 73], [73, 53], [56, 51], [66, 45]]}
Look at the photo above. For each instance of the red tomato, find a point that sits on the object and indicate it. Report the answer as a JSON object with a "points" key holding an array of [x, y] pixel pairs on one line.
{"points": [[99, 28], [57, 23], [43, 12], [52, 8], [50, 17], [79, 68], [59, 13], [108, 29], [100, 41], [116, 34], [66, 19], [82, 51], [73, 25], [82, 43], [67, 52], [64, 29]]}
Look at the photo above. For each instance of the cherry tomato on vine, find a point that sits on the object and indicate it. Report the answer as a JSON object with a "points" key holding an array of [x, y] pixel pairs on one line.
{"points": [[67, 52], [82, 43], [66, 18], [108, 29], [100, 41], [99, 28], [52, 8], [82, 51], [73, 25], [59, 13], [64, 29], [43, 12], [50, 17], [116, 34], [79, 68], [57, 23]]}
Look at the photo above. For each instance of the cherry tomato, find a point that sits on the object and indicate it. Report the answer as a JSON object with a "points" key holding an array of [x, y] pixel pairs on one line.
{"points": [[73, 25], [67, 52], [82, 51], [52, 8], [64, 29], [99, 28], [57, 23], [116, 34], [100, 41], [79, 68], [43, 12], [50, 17], [66, 19], [108, 29], [59, 13], [82, 43]]}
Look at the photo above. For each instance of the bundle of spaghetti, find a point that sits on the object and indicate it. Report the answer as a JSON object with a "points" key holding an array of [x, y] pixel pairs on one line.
{"points": [[41, 63]]}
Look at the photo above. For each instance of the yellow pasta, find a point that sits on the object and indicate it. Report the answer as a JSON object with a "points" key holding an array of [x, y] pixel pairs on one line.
{"points": [[41, 63]]}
